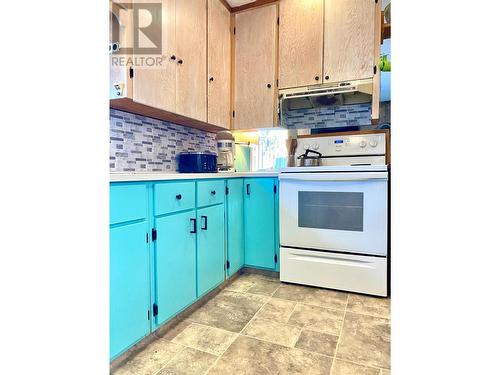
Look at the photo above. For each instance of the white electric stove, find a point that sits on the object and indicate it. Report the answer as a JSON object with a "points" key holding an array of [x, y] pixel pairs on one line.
{"points": [[334, 217]]}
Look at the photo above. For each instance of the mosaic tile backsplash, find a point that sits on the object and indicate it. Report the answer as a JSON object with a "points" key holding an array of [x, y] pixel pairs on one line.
{"points": [[143, 144], [329, 117]]}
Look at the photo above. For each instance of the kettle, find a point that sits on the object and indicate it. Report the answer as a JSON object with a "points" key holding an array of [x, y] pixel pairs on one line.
{"points": [[305, 160]]}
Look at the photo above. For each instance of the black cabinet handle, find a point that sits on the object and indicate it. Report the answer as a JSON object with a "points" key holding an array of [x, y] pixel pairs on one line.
{"points": [[316, 78], [268, 85], [194, 225], [178, 196], [204, 226], [213, 192], [172, 57], [211, 79], [179, 62], [327, 77], [248, 189]]}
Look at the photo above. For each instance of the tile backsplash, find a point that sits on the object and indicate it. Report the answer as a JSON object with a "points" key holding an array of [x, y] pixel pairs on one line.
{"points": [[329, 117], [143, 144]]}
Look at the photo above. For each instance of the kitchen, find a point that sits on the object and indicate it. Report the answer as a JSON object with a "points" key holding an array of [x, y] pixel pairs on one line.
{"points": [[249, 194], [212, 187]]}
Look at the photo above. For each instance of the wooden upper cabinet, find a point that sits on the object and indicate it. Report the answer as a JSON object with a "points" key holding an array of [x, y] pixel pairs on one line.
{"points": [[349, 39], [155, 87], [191, 72], [300, 42], [121, 26], [255, 68], [219, 64]]}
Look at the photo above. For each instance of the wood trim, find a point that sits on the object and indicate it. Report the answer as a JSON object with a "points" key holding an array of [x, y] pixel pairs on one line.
{"points": [[276, 68], [128, 105], [386, 27], [360, 132], [255, 4], [376, 58], [233, 65], [226, 4], [354, 132]]}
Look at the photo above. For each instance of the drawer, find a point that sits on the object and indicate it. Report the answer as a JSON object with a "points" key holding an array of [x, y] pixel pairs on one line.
{"points": [[353, 273], [173, 196], [127, 202], [210, 192]]}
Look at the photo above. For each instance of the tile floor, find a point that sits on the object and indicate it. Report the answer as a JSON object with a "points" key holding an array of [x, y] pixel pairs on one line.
{"points": [[257, 325]]}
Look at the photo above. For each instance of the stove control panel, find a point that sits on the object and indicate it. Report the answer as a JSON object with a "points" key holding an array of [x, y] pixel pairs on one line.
{"points": [[344, 145]]}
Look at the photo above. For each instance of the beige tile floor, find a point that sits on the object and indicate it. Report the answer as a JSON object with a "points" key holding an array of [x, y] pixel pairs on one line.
{"points": [[257, 325]]}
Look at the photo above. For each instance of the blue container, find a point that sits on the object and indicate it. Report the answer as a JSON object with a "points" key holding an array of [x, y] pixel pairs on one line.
{"points": [[197, 162]]}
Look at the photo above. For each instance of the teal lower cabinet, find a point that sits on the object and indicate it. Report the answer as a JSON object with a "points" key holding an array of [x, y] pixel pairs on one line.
{"points": [[259, 222], [277, 226], [129, 271], [175, 264], [171, 242], [210, 247], [235, 229]]}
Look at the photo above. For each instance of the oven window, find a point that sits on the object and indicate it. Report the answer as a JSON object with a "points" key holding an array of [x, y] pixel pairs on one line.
{"points": [[331, 210]]}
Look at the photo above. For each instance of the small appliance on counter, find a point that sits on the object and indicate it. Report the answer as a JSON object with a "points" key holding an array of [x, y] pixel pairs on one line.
{"points": [[225, 151], [197, 162]]}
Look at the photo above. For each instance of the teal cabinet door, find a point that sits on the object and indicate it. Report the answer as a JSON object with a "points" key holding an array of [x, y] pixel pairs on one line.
{"points": [[129, 286], [259, 208], [235, 235], [175, 264], [210, 249], [277, 226]]}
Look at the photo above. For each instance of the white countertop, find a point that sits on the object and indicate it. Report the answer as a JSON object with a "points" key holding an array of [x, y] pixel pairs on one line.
{"points": [[159, 176]]}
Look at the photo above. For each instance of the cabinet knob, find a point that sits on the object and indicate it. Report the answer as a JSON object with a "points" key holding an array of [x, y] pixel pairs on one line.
{"points": [[178, 196], [172, 57], [179, 62], [211, 79], [268, 85], [316, 78], [213, 192], [327, 77]]}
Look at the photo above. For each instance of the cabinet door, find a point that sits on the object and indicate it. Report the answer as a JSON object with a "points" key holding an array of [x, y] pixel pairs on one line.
{"points": [[255, 68], [156, 86], [259, 222], [219, 64], [175, 264], [191, 41], [210, 248], [349, 39], [300, 42], [235, 235], [128, 286]]}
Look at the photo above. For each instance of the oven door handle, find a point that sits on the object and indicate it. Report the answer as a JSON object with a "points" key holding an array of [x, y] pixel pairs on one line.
{"points": [[349, 176]]}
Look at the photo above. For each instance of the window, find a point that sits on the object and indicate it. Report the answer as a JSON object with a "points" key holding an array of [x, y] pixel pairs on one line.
{"points": [[272, 149]]}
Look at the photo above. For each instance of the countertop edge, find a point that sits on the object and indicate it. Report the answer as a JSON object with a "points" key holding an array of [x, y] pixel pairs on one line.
{"points": [[131, 177]]}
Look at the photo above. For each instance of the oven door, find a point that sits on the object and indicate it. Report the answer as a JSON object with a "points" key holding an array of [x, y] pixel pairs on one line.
{"points": [[342, 212]]}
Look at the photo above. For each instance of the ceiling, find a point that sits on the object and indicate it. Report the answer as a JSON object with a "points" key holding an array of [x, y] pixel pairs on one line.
{"points": [[237, 3]]}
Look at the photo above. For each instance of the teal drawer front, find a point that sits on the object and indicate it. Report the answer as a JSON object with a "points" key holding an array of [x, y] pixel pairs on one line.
{"points": [[127, 202], [173, 196], [210, 192]]}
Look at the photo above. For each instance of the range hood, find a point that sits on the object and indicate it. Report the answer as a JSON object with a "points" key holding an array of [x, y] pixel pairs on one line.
{"points": [[327, 95]]}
